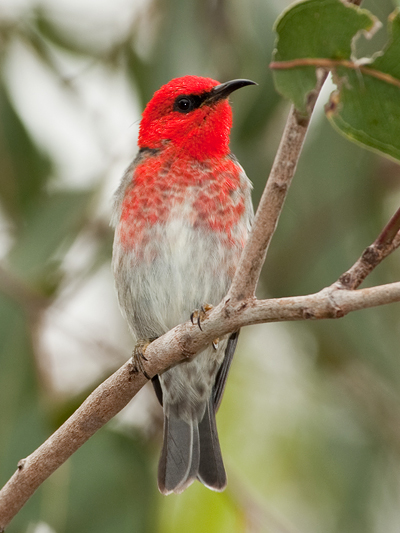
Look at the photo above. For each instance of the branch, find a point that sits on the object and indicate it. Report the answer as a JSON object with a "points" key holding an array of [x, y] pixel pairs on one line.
{"points": [[182, 342], [270, 207]]}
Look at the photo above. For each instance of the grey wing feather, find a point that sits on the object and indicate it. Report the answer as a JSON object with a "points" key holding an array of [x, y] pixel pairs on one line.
{"points": [[180, 456], [157, 388], [222, 375], [220, 380]]}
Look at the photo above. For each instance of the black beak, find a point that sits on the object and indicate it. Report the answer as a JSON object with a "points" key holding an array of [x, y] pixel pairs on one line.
{"points": [[225, 89]]}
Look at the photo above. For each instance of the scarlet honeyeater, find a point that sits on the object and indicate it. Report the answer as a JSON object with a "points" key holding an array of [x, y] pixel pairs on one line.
{"points": [[182, 215]]}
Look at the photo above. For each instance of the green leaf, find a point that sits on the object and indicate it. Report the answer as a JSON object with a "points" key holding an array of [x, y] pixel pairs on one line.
{"points": [[367, 106], [314, 29]]}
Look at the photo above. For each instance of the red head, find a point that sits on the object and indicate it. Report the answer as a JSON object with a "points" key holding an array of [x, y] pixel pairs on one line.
{"points": [[192, 114]]}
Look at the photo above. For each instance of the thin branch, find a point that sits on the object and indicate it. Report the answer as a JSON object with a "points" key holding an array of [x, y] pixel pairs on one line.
{"points": [[331, 302], [270, 207], [391, 232], [272, 200], [387, 241], [331, 64]]}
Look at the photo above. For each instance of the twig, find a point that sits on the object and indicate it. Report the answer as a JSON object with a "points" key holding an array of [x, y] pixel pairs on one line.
{"points": [[272, 200], [269, 209], [331, 64], [391, 232], [387, 241]]}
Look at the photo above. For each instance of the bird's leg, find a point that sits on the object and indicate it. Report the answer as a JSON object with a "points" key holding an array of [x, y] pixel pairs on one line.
{"points": [[198, 315], [138, 356]]}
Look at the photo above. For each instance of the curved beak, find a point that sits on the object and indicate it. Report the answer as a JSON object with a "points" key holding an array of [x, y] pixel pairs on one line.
{"points": [[225, 89]]}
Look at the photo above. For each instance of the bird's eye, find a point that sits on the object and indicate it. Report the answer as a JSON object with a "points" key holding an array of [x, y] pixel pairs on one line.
{"points": [[184, 104]]}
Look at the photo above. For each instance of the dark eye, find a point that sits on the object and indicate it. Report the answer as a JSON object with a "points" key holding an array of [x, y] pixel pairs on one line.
{"points": [[183, 104]]}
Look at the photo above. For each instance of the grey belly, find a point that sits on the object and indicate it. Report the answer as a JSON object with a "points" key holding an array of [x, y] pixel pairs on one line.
{"points": [[181, 269]]}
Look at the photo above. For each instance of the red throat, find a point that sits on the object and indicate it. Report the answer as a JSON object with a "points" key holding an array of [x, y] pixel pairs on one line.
{"points": [[201, 134]]}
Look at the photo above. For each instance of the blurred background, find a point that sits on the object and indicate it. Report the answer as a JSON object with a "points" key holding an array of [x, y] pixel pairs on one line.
{"points": [[310, 422]]}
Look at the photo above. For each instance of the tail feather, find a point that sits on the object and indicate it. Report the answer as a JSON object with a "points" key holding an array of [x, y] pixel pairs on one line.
{"points": [[211, 468], [191, 451], [180, 456]]}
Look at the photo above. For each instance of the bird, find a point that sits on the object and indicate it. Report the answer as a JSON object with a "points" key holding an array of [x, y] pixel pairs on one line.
{"points": [[182, 214]]}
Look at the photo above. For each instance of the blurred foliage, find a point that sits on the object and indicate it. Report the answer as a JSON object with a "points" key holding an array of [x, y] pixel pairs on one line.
{"points": [[309, 422]]}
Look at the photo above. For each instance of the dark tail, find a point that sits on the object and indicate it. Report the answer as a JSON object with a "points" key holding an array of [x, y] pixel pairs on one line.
{"points": [[211, 468], [191, 451]]}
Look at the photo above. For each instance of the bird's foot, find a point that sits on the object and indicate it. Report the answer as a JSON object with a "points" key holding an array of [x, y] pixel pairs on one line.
{"points": [[138, 356], [199, 315]]}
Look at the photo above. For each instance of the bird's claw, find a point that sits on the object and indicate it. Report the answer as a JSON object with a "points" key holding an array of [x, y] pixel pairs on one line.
{"points": [[199, 315], [138, 357]]}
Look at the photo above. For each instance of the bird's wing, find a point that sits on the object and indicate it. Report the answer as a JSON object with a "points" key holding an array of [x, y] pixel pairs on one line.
{"points": [[222, 375], [157, 388]]}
